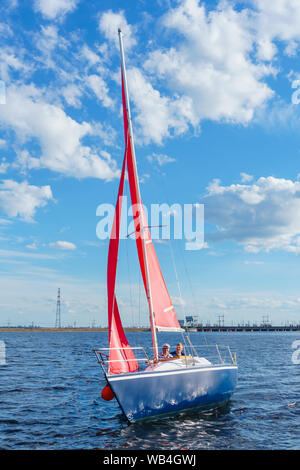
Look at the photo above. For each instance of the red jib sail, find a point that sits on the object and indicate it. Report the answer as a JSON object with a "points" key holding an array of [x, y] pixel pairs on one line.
{"points": [[121, 357], [164, 313]]}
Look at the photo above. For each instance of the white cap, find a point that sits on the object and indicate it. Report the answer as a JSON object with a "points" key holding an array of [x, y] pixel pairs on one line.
{"points": [[166, 345]]}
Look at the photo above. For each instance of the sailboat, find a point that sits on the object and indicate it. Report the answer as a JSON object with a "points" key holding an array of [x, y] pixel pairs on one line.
{"points": [[150, 387]]}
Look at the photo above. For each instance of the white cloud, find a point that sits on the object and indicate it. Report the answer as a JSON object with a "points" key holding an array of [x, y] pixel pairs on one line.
{"points": [[291, 48], [281, 22], [72, 94], [217, 67], [157, 116], [160, 159], [253, 262], [5, 222], [215, 70], [58, 135], [90, 56], [3, 166], [8, 254], [52, 9], [33, 291], [246, 178], [5, 30], [211, 64], [48, 38], [109, 24], [262, 216], [31, 246], [256, 301], [63, 245], [22, 199], [11, 4], [99, 87], [12, 60]]}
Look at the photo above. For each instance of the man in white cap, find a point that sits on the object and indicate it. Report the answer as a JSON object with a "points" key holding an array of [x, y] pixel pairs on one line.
{"points": [[165, 354]]}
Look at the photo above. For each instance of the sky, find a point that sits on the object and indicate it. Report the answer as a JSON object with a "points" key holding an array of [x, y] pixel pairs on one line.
{"points": [[215, 98]]}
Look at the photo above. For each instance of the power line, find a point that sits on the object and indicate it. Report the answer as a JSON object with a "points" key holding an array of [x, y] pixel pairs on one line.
{"points": [[58, 317]]}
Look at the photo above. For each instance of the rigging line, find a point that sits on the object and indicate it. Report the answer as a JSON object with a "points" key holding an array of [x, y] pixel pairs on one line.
{"points": [[194, 302], [169, 242], [179, 290], [176, 276], [183, 336], [192, 292], [139, 312], [145, 226], [162, 189], [189, 281], [130, 286]]}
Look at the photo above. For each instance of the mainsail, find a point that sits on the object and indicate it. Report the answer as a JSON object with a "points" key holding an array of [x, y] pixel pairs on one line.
{"points": [[121, 357], [163, 310]]}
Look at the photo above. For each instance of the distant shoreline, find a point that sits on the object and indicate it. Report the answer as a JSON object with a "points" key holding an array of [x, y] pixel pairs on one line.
{"points": [[208, 329], [63, 330]]}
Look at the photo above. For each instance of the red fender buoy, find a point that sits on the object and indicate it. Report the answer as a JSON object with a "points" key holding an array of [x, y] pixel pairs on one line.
{"points": [[107, 393]]}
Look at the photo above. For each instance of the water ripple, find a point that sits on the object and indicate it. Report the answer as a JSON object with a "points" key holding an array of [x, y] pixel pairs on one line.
{"points": [[50, 398]]}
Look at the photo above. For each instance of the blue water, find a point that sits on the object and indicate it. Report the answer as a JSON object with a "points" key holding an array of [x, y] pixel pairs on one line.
{"points": [[50, 397]]}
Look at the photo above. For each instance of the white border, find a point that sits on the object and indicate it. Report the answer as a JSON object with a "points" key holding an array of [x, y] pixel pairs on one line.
{"points": [[170, 372]]}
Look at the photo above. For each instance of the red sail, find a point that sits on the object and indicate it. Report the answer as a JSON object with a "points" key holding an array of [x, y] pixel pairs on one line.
{"points": [[121, 356], [164, 313]]}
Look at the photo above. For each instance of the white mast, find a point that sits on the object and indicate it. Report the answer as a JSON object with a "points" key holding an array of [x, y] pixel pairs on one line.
{"points": [[148, 286]]}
